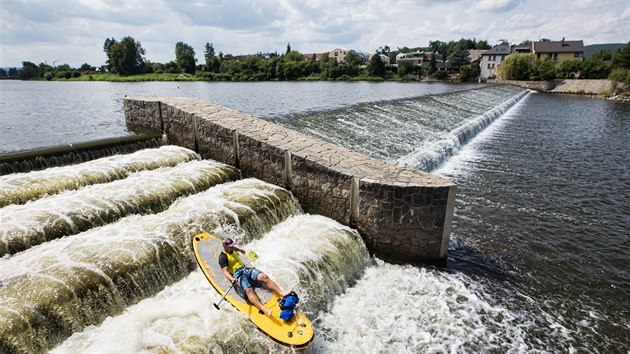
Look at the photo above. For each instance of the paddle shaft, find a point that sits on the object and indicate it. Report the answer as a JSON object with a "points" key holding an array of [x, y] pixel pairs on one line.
{"points": [[233, 283]]}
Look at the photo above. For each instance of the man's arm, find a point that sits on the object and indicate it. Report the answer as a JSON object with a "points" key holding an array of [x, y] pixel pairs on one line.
{"points": [[227, 275]]}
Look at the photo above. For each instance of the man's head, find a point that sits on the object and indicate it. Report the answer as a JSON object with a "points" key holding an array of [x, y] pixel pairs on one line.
{"points": [[228, 244]]}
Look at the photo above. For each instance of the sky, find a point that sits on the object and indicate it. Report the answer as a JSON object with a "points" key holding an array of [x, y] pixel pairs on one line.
{"points": [[73, 32]]}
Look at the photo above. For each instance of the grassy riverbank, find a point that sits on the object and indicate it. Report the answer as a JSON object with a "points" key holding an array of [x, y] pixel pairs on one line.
{"points": [[220, 77]]}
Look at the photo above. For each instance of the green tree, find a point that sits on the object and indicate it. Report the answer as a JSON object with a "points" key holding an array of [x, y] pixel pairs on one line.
{"points": [[3, 74], [432, 64], [459, 57], [171, 67], [288, 49], [44, 68], [467, 72], [438, 46], [212, 61], [376, 66], [86, 68], [185, 57], [29, 71], [593, 68], [516, 66], [622, 58], [569, 68], [543, 70], [294, 56], [405, 68], [602, 54], [127, 56], [352, 58], [107, 48]]}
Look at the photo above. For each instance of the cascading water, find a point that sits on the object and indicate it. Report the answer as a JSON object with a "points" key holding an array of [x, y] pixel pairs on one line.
{"points": [[22, 226], [18, 188], [421, 132], [313, 255], [59, 287]]}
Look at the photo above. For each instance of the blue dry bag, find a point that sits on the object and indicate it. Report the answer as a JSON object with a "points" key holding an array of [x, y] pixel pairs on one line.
{"points": [[288, 305]]}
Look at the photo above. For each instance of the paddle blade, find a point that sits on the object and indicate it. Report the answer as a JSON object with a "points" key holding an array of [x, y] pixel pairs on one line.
{"points": [[216, 306], [252, 256]]}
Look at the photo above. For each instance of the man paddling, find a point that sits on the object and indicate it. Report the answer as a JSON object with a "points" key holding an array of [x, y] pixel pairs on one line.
{"points": [[248, 278]]}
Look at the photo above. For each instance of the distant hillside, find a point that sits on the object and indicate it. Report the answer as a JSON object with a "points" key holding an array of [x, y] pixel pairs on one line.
{"points": [[612, 47]]}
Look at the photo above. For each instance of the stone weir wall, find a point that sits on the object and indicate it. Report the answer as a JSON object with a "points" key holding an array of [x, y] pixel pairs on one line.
{"points": [[403, 214]]}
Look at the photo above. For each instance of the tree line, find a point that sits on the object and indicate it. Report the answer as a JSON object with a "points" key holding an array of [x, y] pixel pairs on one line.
{"points": [[126, 57]]}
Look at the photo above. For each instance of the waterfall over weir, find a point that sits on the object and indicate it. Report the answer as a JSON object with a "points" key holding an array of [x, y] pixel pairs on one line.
{"points": [[22, 226], [421, 132], [18, 188]]}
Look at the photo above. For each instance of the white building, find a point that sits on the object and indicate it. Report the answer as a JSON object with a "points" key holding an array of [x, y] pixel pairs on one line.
{"points": [[491, 59], [338, 54]]}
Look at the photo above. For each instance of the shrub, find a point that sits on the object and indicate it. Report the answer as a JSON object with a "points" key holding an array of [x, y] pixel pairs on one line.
{"points": [[76, 74], [344, 77], [465, 73], [441, 75], [48, 76]]}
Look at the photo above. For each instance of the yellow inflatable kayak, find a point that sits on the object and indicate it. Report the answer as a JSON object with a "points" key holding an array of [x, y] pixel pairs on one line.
{"points": [[296, 333]]}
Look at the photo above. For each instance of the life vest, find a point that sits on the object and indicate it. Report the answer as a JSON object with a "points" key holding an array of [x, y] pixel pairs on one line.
{"points": [[234, 262], [288, 305]]}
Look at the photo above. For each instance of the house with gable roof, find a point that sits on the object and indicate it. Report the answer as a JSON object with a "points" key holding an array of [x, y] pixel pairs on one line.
{"points": [[558, 51]]}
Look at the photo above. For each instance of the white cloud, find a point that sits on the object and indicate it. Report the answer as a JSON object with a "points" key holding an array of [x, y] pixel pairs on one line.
{"points": [[74, 32], [497, 6]]}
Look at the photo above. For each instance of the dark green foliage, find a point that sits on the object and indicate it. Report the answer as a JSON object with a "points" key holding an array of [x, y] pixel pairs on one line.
{"points": [[517, 66], [86, 68], [405, 68], [376, 66], [3, 74], [48, 76], [213, 64], [458, 57], [185, 57], [622, 58], [602, 54], [569, 69], [543, 70], [467, 72], [171, 68], [441, 75], [29, 71], [125, 57], [593, 68]]}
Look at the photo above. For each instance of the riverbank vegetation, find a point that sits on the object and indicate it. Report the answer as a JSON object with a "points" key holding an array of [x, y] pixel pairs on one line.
{"points": [[125, 61]]}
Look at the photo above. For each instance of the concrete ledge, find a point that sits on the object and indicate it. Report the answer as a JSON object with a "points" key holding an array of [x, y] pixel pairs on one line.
{"points": [[403, 214]]}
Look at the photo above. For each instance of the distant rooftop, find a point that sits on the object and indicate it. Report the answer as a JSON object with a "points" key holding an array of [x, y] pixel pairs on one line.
{"points": [[558, 47]]}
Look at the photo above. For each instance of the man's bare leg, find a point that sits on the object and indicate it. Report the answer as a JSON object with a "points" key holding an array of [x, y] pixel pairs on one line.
{"points": [[254, 299], [271, 285]]}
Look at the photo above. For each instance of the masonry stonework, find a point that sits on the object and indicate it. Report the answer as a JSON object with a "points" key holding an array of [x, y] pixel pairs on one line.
{"points": [[403, 214]]}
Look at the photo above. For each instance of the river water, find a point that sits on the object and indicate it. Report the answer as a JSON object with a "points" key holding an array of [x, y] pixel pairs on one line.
{"points": [[539, 259]]}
